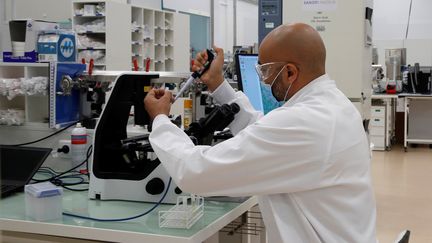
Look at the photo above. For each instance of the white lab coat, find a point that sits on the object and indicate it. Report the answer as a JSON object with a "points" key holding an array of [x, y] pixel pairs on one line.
{"points": [[308, 162]]}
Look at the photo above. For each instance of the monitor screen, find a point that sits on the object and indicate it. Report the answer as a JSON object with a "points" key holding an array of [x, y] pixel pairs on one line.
{"points": [[249, 83], [19, 164]]}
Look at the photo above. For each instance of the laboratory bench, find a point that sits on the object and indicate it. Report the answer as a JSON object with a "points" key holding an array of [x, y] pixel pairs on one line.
{"points": [[417, 110], [216, 216]]}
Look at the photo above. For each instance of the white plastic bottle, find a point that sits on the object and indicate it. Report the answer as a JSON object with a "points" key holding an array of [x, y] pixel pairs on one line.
{"points": [[79, 145]]}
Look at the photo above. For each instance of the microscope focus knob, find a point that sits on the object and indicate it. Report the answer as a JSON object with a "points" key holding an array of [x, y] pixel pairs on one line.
{"points": [[155, 186], [177, 190]]}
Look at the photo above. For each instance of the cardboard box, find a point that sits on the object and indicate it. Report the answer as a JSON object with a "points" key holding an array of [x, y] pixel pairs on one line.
{"points": [[53, 47], [21, 47]]}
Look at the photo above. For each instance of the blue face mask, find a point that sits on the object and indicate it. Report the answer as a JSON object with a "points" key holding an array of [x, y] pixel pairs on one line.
{"points": [[269, 100]]}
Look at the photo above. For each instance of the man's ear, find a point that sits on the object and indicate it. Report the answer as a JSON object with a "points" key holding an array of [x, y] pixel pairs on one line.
{"points": [[291, 72]]}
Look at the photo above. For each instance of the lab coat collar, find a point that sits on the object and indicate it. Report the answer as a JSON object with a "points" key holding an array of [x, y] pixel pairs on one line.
{"points": [[319, 82]]}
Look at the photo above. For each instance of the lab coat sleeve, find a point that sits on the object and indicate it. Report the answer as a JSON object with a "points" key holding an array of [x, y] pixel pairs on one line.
{"points": [[247, 164], [225, 94]]}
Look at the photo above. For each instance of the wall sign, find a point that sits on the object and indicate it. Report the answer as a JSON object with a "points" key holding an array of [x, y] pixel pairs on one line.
{"points": [[319, 5]]}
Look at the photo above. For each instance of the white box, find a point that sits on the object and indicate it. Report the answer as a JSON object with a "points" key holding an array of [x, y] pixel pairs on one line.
{"points": [[23, 39], [43, 201]]}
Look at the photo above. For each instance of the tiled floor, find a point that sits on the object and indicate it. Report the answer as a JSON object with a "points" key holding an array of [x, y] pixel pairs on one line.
{"points": [[403, 188]]}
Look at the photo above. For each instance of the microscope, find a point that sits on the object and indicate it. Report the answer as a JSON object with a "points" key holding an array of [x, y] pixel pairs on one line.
{"points": [[124, 166]]}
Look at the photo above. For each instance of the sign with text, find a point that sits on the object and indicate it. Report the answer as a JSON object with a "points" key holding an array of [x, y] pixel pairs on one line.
{"points": [[319, 5]]}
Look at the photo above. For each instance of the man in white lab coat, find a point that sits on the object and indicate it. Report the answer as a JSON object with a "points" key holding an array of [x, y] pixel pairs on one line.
{"points": [[308, 161]]}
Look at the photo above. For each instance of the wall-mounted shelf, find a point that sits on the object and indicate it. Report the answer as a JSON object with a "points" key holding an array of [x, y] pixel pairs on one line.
{"points": [[158, 33], [107, 26], [132, 32], [34, 107]]}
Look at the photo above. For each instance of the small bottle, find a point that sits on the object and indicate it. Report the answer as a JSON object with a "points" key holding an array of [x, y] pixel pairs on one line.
{"points": [[79, 145], [187, 117]]}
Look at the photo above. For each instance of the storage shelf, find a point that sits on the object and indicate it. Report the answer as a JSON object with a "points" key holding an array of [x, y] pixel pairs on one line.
{"points": [[91, 32], [91, 48], [22, 64], [90, 16], [156, 28], [34, 107], [145, 33], [109, 25]]}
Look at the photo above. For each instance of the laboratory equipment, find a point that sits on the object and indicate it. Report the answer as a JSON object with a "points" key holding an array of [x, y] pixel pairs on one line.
{"points": [[220, 117], [418, 79], [43, 201], [124, 165], [187, 211], [196, 75], [377, 77], [394, 60], [270, 16], [78, 144]]}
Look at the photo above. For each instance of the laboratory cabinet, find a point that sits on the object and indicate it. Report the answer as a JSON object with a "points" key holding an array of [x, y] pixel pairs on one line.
{"points": [[377, 127], [122, 37], [23, 93], [102, 34], [160, 40]]}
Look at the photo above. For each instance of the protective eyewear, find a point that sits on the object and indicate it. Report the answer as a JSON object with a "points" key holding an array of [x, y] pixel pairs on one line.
{"points": [[266, 70]]}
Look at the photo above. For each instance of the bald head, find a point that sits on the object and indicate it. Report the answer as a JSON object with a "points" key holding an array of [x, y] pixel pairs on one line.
{"points": [[297, 43]]}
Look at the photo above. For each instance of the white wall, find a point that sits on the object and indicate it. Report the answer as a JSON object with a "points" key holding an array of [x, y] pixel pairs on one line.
{"points": [[154, 4], [50, 10], [391, 18], [2, 23], [200, 7], [223, 24], [390, 24], [247, 23]]}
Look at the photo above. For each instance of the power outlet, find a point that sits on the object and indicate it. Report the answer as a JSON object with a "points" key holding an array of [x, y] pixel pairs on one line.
{"points": [[66, 144]]}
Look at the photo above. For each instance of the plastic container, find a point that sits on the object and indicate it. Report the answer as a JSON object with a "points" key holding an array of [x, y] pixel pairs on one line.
{"points": [[43, 201], [187, 119], [78, 144], [187, 211]]}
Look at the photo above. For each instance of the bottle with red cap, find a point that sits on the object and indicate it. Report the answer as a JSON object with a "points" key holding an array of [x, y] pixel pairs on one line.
{"points": [[79, 144]]}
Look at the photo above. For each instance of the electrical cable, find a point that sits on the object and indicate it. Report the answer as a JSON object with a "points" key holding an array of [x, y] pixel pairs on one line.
{"points": [[57, 178], [124, 219], [70, 170], [41, 139], [409, 17], [74, 189]]}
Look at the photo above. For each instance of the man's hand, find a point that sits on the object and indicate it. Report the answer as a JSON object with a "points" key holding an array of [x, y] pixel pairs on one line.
{"points": [[158, 101], [214, 76]]}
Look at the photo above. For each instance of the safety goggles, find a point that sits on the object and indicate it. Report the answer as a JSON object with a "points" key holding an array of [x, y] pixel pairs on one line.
{"points": [[266, 70]]}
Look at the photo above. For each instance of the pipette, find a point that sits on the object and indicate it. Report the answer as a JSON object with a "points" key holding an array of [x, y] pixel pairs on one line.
{"points": [[197, 75]]}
